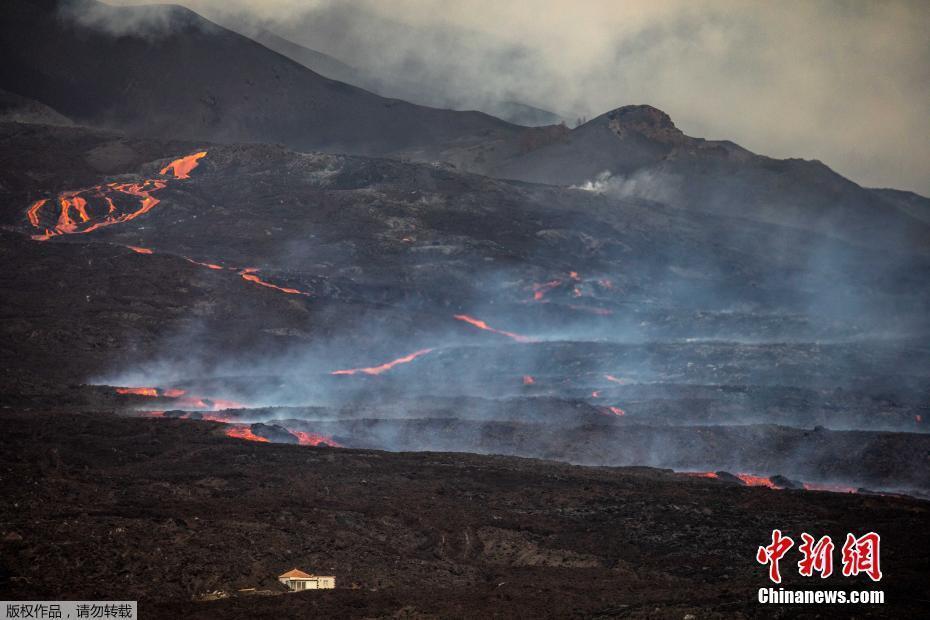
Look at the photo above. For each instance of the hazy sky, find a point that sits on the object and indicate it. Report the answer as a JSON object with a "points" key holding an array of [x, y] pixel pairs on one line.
{"points": [[846, 82]]}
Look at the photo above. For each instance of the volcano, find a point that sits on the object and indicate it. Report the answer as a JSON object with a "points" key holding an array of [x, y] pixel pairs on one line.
{"points": [[251, 316]]}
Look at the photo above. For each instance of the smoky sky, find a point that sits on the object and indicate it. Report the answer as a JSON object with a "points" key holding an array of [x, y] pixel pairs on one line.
{"points": [[845, 82]]}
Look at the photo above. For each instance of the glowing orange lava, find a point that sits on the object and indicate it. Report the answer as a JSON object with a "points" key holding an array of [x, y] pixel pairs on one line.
{"points": [[138, 391], [249, 274], [377, 370], [312, 439], [207, 265], [33, 212], [182, 167], [757, 481], [616, 411], [542, 289], [528, 380], [94, 208], [701, 474], [482, 325], [596, 394], [85, 210], [139, 250], [244, 432]]}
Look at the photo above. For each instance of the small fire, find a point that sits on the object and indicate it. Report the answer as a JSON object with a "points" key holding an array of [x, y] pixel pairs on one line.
{"points": [[182, 167], [616, 411], [239, 431], [249, 274], [482, 325], [528, 380], [596, 394], [139, 250], [377, 370]]}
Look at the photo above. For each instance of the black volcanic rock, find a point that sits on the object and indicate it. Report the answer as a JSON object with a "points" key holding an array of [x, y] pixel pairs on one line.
{"points": [[166, 71], [637, 151]]}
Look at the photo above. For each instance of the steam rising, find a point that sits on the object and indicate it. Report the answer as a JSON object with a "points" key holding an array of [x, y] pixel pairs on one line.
{"points": [[842, 82]]}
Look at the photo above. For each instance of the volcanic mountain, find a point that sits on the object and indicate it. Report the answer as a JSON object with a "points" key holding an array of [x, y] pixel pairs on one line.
{"points": [[638, 151], [166, 71], [577, 325]]}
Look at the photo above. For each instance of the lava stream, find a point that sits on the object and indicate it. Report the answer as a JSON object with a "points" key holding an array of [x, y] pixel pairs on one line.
{"points": [[207, 265], [757, 481], [528, 380], [182, 167], [138, 391], [482, 325], [542, 289], [249, 274], [313, 439], [139, 250], [85, 210], [239, 431], [377, 370]]}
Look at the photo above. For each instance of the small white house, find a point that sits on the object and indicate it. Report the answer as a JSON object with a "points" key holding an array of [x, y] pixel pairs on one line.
{"points": [[298, 580]]}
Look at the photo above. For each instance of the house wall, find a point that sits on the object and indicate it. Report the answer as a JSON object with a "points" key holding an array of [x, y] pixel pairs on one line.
{"points": [[317, 583]]}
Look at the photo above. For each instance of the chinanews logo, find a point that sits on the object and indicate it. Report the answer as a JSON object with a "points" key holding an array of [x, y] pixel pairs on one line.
{"points": [[860, 555]]}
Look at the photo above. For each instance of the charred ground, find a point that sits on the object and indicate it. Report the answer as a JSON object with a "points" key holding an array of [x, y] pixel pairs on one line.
{"points": [[170, 510]]}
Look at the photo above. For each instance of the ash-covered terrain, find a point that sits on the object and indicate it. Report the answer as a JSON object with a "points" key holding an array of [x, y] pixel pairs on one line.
{"points": [[246, 325]]}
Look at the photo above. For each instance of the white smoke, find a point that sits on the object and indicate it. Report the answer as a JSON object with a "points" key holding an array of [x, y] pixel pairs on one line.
{"points": [[644, 184]]}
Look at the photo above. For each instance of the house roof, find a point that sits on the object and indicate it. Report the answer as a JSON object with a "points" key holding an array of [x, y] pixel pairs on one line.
{"points": [[295, 574]]}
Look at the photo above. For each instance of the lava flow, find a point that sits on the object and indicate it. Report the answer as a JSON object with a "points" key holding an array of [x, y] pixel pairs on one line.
{"points": [[244, 431], [249, 274], [181, 399], [85, 210], [528, 380], [541, 290], [377, 370], [207, 265], [312, 439], [182, 167], [757, 481], [482, 325], [139, 250], [138, 391], [240, 431]]}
